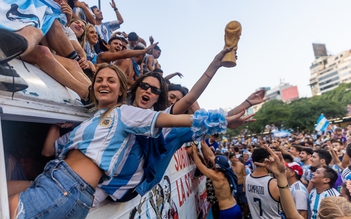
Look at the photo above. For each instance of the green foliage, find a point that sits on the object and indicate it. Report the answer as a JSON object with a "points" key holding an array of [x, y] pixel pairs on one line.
{"points": [[303, 113], [340, 94], [272, 112]]}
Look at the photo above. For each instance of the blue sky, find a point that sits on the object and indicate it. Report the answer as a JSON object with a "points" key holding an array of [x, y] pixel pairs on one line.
{"points": [[276, 40]]}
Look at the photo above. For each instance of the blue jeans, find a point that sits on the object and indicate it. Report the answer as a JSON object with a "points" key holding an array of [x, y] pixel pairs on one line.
{"points": [[240, 195], [56, 193]]}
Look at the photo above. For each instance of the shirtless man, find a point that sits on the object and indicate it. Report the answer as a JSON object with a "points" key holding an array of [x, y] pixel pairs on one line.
{"points": [[240, 171], [223, 179]]}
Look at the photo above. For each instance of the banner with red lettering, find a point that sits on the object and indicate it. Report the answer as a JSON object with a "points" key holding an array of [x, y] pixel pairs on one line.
{"points": [[178, 195]]}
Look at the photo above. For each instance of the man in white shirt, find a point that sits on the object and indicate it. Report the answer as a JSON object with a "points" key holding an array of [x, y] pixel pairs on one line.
{"points": [[293, 174]]}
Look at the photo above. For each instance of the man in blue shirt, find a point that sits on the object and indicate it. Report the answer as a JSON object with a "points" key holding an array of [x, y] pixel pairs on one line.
{"points": [[212, 142]]}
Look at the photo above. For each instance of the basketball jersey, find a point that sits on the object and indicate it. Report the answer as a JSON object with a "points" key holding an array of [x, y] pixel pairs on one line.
{"points": [[315, 199], [261, 203]]}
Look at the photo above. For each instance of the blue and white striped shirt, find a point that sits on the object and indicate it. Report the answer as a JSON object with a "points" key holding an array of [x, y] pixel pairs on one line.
{"points": [[315, 199], [109, 142], [132, 171]]}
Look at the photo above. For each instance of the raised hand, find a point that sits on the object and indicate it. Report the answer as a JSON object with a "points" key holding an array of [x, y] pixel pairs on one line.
{"points": [[150, 47], [113, 4], [67, 10], [238, 119], [218, 58], [257, 97], [275, 163], [151, 39]]}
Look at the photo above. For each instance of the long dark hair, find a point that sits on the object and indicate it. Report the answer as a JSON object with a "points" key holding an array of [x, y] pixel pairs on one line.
{"points": [[161, 103]]}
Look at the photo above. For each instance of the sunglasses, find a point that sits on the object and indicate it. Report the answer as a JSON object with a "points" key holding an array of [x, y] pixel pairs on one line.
{"points": [[146, 86]]}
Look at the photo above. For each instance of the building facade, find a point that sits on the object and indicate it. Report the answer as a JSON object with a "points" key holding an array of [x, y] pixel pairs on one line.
{"points": [[327, 72]]}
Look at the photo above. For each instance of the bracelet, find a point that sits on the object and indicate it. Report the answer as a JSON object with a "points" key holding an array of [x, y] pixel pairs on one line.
{"points": [[208, 76], [283, 187], [249, 102], [115, 9]]}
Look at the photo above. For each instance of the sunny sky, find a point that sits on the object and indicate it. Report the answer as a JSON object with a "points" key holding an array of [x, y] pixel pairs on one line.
{"points": [[275, 45]]}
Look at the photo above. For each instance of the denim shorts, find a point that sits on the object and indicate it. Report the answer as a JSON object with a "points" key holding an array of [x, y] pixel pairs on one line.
{"points": [[56, 193]]}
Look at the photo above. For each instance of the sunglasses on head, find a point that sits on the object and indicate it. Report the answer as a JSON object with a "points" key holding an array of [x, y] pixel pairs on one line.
{"points": [[146, 86]]}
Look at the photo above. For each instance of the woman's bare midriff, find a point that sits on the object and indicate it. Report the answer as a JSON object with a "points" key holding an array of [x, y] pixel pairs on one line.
{"points": [[84, 167]]}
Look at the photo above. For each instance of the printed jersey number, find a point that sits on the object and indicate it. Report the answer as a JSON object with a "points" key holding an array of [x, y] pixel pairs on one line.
{"points": [[259, 205]]}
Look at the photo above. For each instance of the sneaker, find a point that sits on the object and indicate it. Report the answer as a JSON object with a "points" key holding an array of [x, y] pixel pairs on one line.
{"points": [[88, 72], [11, 45], [87, 103], [10, 79]]}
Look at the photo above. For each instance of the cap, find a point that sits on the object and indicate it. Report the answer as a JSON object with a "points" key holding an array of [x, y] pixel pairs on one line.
{"points": [[295, 167], [246, 152]]}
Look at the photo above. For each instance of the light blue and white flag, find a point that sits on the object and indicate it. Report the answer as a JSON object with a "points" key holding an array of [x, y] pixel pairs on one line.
{"points": [[280, 134], [322, 123]]}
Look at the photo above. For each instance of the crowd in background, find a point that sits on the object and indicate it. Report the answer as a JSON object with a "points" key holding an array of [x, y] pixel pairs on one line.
{"points": [[317, 166]]}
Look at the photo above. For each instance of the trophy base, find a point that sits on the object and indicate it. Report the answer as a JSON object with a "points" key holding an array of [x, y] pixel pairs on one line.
{"points": [[228, 64], [229, 60]]}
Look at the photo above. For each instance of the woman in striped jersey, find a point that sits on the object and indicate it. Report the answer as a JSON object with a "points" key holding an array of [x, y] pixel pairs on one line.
{"points": [[145, 165]]}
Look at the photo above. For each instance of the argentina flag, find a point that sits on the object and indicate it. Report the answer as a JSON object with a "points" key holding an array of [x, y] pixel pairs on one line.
{"points": [[322, 123]]}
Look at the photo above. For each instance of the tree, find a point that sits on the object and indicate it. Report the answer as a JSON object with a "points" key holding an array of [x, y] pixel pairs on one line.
{"points": [[341, 94], [272, 112]]}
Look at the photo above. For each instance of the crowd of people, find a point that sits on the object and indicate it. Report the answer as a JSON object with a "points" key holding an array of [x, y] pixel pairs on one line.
{"points": [[119, 75], [316, 170]]}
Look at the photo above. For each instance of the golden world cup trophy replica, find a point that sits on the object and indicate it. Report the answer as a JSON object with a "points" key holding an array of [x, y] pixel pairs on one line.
{"points": [[231, 38]]}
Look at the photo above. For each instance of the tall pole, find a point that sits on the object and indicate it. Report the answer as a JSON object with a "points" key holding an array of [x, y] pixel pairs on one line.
{"points": [[99, 4]]}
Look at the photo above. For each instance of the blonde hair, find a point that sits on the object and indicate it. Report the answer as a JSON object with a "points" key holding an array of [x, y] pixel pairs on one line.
{"points": [[86, 34], [123, 87], [333, 207]]}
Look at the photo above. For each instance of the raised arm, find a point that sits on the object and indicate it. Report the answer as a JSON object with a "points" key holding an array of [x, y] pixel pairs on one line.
{"points": [[334, 156], [346, 158], [284, 151], [255, 98], [207, 152], [183, 104], [192, 151], [118, 15], [168, 77], [276, 165], [88, 14], [195, 106], [142, 41], [113, 56]]}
